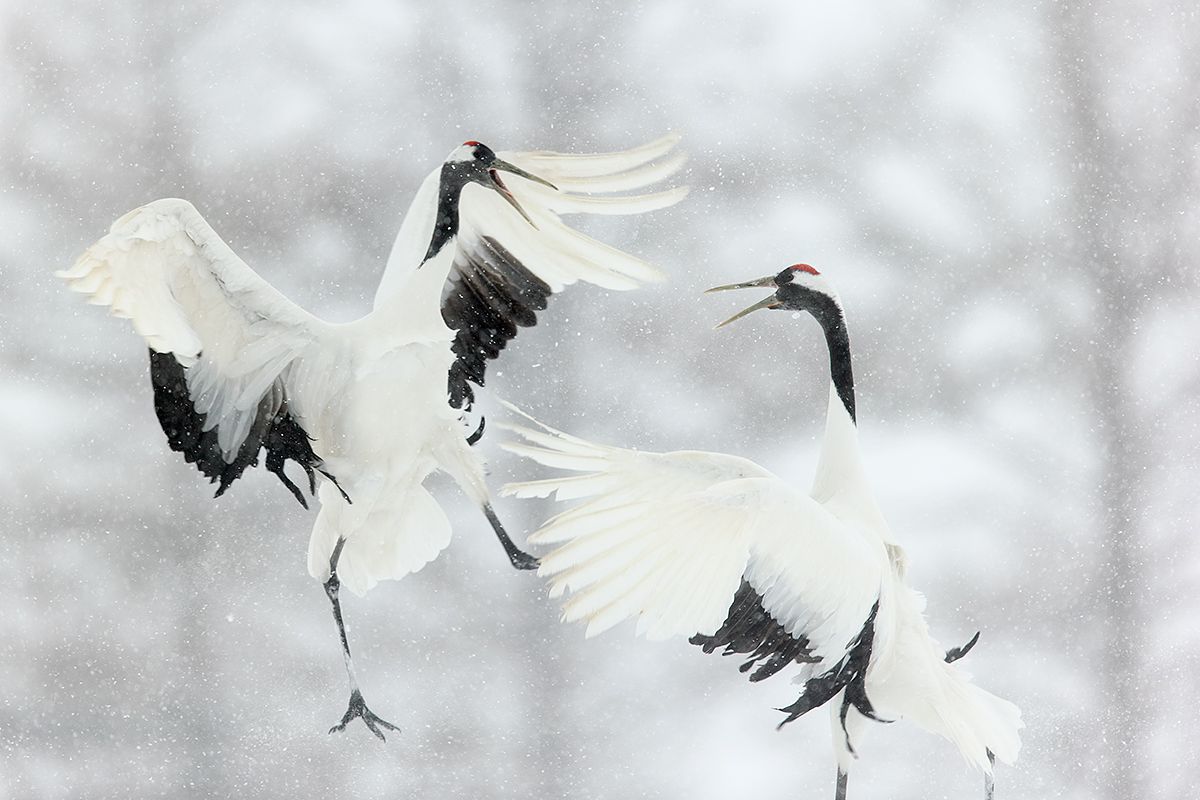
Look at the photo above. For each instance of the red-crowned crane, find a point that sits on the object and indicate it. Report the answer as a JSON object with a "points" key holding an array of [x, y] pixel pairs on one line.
{"points": [[717, 548], [368, 409]]}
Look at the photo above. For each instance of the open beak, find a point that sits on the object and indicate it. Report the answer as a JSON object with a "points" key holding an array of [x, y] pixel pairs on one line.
{"points": [[761, 283], [504, 191]]}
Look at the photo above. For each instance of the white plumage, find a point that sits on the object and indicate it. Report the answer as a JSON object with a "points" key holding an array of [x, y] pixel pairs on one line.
{"points": [[376, 404], [718, 548]]}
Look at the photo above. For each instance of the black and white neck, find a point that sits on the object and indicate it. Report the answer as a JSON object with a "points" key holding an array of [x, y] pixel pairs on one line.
{"points": [[471, 162], [840, 473], [467, 164], [839, 468], [802, 288]]}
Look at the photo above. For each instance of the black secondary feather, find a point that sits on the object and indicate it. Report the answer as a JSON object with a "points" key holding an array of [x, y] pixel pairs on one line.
{"points": [[489, 296], [273, 429], [849, 673], [955, 653], [749, 629]]}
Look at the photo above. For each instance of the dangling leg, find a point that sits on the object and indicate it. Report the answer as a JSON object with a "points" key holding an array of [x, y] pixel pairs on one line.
{"points": [[519, 558], [357, 707], [989, 780], [841, 785]]}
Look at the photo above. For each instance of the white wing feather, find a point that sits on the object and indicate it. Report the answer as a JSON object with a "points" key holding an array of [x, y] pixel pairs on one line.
{"points": [[554, 252], [645, 542], [667, 538], [186, 292]]}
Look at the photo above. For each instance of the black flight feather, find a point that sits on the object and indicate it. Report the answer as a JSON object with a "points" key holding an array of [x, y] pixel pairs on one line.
{"points": [[274, 429]]}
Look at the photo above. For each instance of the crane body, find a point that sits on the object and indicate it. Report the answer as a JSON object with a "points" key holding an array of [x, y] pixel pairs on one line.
{"points": [[743, 562], [370, 408]]}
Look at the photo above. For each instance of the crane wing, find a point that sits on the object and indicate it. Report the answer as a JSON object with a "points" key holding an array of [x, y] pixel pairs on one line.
{"points": [[221, 338], [692, 542], [505, 269], [646, 540]]}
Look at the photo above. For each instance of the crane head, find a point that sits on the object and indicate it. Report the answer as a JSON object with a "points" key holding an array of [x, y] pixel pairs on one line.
{"points": [[474, 162], [797, 288]]}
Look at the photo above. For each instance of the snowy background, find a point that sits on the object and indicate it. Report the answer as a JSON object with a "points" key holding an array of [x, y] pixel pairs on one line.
{"points": [[1004, 193]]}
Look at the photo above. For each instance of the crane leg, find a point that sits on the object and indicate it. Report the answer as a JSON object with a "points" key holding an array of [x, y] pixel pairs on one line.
{"points": [[519, 558], [989, 780], [840, 792], [357, 706]]}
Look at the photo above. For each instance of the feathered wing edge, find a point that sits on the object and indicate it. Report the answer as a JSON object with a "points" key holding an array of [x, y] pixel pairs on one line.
{"points": [[160, 261], [557, 253], [221, 339], [274, 429], [624, 552], [579, 176], [505, 269], [585, 184]]}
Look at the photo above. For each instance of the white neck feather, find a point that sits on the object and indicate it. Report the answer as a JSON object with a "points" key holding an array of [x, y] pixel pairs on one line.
{"points": [[412, 241], [412, 310], [841, 479]]}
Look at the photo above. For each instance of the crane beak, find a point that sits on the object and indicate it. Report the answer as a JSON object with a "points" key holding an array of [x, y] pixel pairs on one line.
{"points": [[761, 283], [769, 302], [515, 170], [499, 186]]}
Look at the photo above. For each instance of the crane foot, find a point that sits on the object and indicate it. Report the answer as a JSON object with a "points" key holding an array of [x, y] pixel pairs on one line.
{"points": [[358, 708], [522, 560]]}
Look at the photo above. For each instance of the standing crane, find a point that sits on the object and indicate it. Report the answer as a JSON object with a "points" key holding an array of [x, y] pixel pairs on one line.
{"points": [[371, 408], [717, 548]]}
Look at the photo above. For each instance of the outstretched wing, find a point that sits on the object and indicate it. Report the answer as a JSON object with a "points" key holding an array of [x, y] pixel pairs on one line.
{"points": [[221, 338], [648, 539], [505, 269], [710, 546]]}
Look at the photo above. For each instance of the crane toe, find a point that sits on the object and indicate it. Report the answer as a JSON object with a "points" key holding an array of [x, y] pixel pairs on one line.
{"points": [[522, 560], [357, 708]]}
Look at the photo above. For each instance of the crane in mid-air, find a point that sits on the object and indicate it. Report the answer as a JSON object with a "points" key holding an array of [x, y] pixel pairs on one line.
{"points": [[368, 409]]}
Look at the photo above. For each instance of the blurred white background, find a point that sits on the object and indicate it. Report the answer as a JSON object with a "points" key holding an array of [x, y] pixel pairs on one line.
{"points": [[1004, 193]]}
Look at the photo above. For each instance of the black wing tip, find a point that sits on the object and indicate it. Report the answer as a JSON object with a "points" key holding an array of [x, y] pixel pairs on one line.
{"points": [[474, 438], [955, 653], [275, 464], [849, 674], [273, 429], [334, 481], [185, 430], [492, 296], [750, 630]]}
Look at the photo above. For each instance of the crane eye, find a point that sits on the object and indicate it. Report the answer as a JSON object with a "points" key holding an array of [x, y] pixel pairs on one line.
{"points": [[484, 153], [789, 274]]}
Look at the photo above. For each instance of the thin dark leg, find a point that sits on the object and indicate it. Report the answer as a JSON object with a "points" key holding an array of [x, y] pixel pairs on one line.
{"points": [[519, 558], [989, 780], [357, 706], [840, 794]]}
